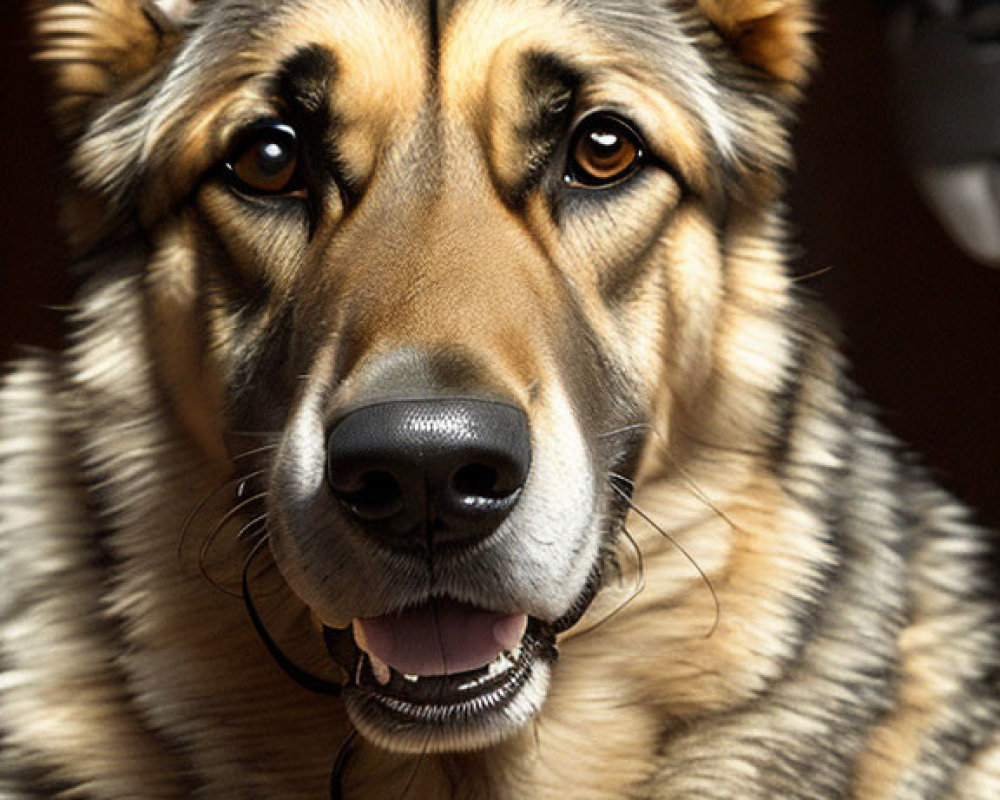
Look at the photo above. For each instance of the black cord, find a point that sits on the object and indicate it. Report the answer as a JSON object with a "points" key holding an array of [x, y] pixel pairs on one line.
{"points": [[305, 679], [340, 765]]}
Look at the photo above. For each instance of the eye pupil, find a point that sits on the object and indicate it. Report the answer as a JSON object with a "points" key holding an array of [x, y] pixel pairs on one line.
{"points": [[265, 161], [606, 151]]}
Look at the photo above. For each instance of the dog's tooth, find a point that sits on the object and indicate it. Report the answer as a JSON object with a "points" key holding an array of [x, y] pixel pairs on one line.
{"points": [[498, 665], [411, 678], [380, 670], [359, 635]]}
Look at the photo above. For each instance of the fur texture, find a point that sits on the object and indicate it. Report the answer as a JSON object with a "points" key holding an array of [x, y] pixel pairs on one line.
{"points": [[289, 210]]}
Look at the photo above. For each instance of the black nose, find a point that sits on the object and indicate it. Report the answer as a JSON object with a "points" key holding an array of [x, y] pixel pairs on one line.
{"points": [[430, 472]]}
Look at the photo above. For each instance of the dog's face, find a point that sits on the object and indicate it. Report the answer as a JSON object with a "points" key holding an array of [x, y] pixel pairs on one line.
{"points": [[455, 258]]}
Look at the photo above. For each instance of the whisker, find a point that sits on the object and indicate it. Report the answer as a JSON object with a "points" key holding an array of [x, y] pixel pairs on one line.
{"points": [[256, 451], [696, 490], [244, 532], [659, 529], [640, 585], [233, 512], [210, 540], [637, 426], [203, 571], [812, 275], [623, 479], [241, 480]]}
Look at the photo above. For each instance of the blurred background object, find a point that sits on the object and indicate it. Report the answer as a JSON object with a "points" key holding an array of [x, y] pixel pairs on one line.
{"points": [[946, 55], [921, 318]]}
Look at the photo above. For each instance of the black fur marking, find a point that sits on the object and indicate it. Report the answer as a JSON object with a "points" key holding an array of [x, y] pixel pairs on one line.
{"points": [[956, 739], [434, 12], [549, 86], [304, 80], [304, 83], [787, 402], [31, 782]]}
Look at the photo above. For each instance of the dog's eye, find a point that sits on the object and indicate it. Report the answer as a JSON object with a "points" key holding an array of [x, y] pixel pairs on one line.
{"points": [[603, 150], [265, 161]]}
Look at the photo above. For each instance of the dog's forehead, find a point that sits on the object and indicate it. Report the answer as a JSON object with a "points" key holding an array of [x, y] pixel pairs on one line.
{"points": [[394, 48], [620, 34]]}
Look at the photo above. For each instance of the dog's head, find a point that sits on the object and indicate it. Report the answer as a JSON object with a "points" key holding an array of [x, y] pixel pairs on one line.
{"points": [[458, 257]]}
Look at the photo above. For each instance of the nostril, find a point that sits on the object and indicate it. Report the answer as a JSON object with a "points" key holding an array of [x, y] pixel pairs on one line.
{"points": [[374, 496], [483, 482], [477, 480]]}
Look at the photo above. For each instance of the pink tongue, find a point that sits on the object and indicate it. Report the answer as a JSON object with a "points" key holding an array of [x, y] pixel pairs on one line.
{"points": [[441, 638]]}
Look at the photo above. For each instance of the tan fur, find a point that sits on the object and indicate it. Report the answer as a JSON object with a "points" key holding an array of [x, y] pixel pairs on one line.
{"points": [[787, 608], [94, 49], [768, 34]]}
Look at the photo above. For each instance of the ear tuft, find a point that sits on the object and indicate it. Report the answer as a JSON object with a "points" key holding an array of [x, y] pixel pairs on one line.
{"points": [[771, 35], [91, 48]]}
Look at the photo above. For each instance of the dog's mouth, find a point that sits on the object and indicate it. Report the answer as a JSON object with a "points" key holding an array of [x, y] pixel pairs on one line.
{"points": [[446, 675]]}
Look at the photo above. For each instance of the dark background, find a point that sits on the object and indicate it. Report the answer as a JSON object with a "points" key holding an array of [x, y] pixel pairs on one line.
{"points": [[921, 320]]}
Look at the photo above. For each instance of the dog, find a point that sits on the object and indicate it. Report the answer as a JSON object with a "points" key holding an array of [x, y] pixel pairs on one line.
{"points": [[440, 418]]}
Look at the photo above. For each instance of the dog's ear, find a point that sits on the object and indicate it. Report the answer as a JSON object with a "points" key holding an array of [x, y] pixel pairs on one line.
{"points": [[92, 49], [770, 35]]}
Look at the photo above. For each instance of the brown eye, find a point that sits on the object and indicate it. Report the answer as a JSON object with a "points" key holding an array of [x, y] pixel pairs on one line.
{"points": [[605, 150], [265, 162]]}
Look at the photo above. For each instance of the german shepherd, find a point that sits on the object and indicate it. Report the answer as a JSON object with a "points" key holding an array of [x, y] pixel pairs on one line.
{"points": [[440, 419]]}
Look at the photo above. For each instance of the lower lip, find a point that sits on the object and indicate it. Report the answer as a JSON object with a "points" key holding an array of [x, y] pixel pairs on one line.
{"points": [[441, 700], [414, 713]]}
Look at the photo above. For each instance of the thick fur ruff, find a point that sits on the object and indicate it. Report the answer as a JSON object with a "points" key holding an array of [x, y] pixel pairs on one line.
{"points": [[290, 210]]}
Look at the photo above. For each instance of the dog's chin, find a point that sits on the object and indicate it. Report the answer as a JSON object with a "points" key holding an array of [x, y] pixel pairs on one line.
{"points": [[416, 707]]}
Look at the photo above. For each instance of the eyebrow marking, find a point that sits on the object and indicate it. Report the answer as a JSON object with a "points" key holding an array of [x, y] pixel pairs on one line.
{"points": [[304, 79], [548, 86], [434, 61], [304, 85]]}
